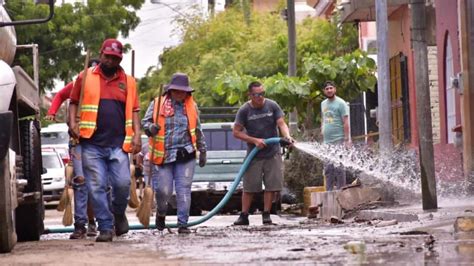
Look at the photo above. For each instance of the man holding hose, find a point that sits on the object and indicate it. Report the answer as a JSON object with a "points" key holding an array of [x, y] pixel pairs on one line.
{"points": [[257, 120]]}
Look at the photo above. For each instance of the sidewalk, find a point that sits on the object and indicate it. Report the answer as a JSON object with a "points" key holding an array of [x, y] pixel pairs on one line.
{"points": [[414, 218]]}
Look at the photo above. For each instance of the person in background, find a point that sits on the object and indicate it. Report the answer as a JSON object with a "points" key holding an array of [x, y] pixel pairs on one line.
{"points": [[335, 129], [63, 94], [83, 212], [257, 120], [143, 165], [177, 138], [108, 130]]}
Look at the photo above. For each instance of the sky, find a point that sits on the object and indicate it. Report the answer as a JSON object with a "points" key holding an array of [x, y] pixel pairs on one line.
{"points": [[154, 33]]}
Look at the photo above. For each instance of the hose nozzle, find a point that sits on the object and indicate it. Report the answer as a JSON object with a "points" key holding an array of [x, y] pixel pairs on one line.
{"points": [[285, 142]]}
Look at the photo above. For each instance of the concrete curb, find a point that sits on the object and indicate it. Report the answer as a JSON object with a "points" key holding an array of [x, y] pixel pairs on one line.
{"points": [[384, 215]]}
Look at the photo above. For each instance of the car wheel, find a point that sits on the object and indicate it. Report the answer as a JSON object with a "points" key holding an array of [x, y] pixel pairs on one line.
{"points": [[195, 210], [29, 216], [7, 216], [7, 229]]}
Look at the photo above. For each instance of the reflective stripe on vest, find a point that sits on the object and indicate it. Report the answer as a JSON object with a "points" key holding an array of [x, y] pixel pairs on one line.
{"points": [[158, 155], [90, 107]]}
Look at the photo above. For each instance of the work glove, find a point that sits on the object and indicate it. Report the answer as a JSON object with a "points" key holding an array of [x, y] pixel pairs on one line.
{"points": [[202, 159], [152, 130]]}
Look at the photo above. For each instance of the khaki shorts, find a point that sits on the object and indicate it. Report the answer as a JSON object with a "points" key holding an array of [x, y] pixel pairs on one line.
{"points": [[266, 170]]}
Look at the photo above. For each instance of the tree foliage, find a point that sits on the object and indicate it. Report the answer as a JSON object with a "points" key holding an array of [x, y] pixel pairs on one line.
{"points": [[73, 29], [223, 43], [352, 73], [224, 54]]}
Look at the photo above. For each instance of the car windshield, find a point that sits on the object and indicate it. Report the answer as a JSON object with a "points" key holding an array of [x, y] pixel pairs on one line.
{"points": [[54, 138], [222, 140], [218, 139], [51, 161]]}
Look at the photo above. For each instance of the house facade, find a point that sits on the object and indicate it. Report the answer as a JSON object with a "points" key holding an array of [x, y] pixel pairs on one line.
{"points": [[450, 97], [444, 63]]}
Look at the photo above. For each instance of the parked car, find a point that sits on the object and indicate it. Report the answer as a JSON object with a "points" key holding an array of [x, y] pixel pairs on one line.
{"points": [[56, 136], [53, 179], [225, 156]]}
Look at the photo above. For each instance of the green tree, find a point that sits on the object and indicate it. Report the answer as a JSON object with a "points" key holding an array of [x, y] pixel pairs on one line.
{"points": [[223, 54], [73, 29], [352, 73], [223, 43]]}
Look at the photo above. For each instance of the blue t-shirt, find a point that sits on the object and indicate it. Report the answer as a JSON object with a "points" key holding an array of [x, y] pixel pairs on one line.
{"points": [[261, 123], [333, 113]]}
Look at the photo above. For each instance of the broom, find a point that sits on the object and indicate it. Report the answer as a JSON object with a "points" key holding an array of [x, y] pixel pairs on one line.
{"points": [[133, 202], [67, 217], [63, 201], [144, 210]]}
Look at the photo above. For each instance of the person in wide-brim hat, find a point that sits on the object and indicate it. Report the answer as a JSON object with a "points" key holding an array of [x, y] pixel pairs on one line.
{"points": [[180, 82], [176, 140]]}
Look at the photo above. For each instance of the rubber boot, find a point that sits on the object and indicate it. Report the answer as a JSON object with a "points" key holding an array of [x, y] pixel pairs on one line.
{"points": [[243, 219]]}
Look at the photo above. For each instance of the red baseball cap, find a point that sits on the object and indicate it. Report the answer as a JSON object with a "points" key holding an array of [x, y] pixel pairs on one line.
{"points": [[112, 47]]}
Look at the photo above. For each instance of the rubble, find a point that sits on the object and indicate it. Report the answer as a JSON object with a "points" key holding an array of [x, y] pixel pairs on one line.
{"points": [[464, 224], [313, 211], [353, 197], [386, 223]]}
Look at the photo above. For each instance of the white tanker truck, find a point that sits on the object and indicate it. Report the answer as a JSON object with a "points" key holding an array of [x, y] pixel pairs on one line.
{"points": [[21, 193]]}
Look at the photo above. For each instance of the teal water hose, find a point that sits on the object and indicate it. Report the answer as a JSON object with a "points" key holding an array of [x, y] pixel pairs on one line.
{"points": [[209, 215]]}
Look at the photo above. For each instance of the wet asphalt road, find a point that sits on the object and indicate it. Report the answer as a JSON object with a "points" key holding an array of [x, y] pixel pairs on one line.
{"points": [[291, 240]]}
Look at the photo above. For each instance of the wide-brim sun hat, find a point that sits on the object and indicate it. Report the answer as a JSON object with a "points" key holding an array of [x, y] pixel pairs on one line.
{"points": [[180, 82]]}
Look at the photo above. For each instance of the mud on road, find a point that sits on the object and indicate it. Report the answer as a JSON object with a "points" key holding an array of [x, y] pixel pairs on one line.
{"points": [[292, 240]]}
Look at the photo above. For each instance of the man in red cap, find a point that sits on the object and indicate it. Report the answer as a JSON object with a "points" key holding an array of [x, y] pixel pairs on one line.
{"points": [[108, 129]]}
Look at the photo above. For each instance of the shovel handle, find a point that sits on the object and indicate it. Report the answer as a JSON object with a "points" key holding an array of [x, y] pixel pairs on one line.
{"points": [[152, 155]]}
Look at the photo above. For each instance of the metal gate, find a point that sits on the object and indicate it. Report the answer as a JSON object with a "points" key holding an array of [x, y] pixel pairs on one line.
{"points": [[399, 99]]}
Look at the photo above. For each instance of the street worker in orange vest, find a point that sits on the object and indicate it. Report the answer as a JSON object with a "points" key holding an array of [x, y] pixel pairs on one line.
{"points": [[109, 129], [83, 212], [178, 138]]}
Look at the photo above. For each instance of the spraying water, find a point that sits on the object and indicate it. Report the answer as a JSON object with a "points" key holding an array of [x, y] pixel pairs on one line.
{"points": [[396, 173]]}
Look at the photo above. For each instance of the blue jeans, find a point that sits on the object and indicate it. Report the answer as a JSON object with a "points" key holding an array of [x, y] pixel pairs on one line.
{"points": [[81, 193], [335, 175], [182, 175], [104, 166]]}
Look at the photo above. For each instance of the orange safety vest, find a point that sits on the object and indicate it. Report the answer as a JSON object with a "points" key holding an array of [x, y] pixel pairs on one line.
{"points": [[90, 107], [159, 140]]}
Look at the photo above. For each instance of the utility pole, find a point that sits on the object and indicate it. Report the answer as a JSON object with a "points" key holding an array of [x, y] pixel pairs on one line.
{"points": [[292, 55], [466, 11], [384, 109], [423, 106], [246, 10]]}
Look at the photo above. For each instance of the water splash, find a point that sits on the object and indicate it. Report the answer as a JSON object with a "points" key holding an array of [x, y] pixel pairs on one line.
{"points": [[397, 174], [449, 188], [399, 170]]}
